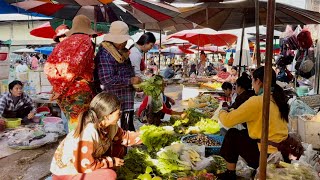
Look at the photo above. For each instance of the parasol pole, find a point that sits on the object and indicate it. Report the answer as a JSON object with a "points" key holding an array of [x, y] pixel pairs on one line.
{"points": [[159, 49], [257, 19], [241, 45], [266, 90]]}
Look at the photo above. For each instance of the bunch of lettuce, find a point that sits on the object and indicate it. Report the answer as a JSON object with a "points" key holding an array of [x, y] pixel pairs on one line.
{"points": [[152, 86], [208, 126], [157, 137], [135, 163], [192, 118], [168, 162]]}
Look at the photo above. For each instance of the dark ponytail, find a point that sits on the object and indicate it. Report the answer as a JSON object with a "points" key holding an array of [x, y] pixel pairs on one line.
{"points": [[277, 93], [146, 38], [244, 81]]}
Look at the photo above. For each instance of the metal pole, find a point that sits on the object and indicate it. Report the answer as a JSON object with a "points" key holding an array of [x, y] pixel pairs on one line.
{"points": [[241, 45], [257, 13], [266, 90], [160, 51], [317, 64]]}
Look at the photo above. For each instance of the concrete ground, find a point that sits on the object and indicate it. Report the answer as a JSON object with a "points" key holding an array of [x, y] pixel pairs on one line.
{"points": [[35, 164]]}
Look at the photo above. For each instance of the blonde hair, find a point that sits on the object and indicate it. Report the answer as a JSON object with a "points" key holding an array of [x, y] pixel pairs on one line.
{"points": [[101, 105]]}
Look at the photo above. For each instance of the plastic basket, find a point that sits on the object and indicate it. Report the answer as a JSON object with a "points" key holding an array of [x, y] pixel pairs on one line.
{"points": [[13, 122], [43, 109], [37, 118], [209, 150], [54, 120]]}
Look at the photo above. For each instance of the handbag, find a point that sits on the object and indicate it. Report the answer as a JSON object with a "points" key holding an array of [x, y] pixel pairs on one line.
{"points": [[291, 145]]}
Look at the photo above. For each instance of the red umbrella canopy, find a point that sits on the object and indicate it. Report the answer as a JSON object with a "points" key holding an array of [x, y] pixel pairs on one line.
{"points": [[45, 31], [202, 37], [148, 11], [176, 50]]}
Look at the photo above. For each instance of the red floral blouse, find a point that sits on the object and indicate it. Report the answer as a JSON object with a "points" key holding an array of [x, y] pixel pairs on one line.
{"points": [[70, 66]]}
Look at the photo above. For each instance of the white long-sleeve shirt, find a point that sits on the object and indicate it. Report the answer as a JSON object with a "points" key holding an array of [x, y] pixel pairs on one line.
{"points": [[136, 57]]}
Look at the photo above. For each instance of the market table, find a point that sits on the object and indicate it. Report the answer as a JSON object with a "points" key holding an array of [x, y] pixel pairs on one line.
{"points": [[190, 90], [42, 99]]}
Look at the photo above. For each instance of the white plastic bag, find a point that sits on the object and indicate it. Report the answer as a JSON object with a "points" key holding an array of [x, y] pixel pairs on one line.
{"points": [[243, 170], [55, 128], [298, 107]]}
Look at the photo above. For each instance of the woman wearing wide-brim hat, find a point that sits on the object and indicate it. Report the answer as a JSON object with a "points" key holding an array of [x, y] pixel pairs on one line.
{"points": [[70, 69], [115, 71]]}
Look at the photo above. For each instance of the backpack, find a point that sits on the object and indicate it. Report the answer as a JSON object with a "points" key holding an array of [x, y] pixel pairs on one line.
{"points": [[304, 39]]}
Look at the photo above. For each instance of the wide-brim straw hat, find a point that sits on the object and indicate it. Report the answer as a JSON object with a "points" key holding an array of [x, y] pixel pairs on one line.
{"points": [[60, 31], [81, 24], [118, 33]]}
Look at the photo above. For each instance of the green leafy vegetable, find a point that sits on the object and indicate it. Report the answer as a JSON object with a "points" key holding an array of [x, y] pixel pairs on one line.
{"points": [[135, 163], [208, 126], [157, 137], [152, 86], [168, 161], [218, 165]]}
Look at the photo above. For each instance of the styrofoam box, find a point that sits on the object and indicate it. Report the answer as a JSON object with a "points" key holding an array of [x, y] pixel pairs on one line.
{"points": [[309, 131]]}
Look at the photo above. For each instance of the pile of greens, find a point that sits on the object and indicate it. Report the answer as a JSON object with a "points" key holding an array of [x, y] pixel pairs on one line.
{"points": [[157, 137], [152, 86], [192, 118], [135, 163], [208, 126], [218, 165], [168, 161]]}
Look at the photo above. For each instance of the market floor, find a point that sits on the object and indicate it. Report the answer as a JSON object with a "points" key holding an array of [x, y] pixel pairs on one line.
{"points": [[35, 164]]}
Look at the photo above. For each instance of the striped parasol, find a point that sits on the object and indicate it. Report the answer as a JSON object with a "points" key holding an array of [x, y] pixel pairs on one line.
{"points": [[158, 16], [96, 13]]}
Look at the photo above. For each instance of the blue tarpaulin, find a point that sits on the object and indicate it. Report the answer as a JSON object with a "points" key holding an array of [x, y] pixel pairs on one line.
{"points": [[45, 50]]}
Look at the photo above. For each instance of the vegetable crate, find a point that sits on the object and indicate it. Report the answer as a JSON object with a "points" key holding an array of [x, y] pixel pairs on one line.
{"points": [[209, 150], [309, 131]]}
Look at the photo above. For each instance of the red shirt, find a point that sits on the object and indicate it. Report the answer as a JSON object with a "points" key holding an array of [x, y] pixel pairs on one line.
{"points": [[144, 105], [70, 66]]}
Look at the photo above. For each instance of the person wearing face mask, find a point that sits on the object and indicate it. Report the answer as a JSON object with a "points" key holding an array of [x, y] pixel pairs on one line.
{"points": [[17, 104], [97, 146], [143, 45], [115, 71], [245, 143]]}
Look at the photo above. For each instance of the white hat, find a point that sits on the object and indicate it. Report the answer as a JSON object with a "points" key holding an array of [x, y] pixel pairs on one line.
{"points": [[118, 33]]}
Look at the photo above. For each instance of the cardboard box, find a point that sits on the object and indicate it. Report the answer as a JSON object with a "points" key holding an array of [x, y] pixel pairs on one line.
{"points": [[309, 131]]}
